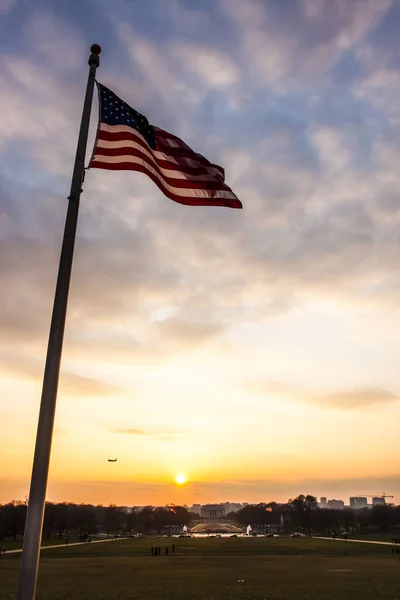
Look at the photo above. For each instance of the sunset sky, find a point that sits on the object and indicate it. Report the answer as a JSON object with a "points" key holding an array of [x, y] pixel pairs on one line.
{"points": [[255, 352]]}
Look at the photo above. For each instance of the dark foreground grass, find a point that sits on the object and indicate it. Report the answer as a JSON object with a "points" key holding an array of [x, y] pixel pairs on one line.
{"points": [[292, 569]]}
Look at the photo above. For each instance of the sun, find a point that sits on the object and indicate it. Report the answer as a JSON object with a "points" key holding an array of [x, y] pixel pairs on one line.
{"points": [[180, 479]]}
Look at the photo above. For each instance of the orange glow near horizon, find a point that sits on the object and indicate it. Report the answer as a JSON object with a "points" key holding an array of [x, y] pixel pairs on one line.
{"points": [[231, 456]]}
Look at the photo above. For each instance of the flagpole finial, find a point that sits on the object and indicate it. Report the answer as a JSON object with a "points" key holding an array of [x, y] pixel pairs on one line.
{"points": [[94, 57]]}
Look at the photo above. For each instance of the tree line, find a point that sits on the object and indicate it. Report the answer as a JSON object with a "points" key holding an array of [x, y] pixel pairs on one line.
{"points": [[298, 514], [303, 514], [66, 519]]}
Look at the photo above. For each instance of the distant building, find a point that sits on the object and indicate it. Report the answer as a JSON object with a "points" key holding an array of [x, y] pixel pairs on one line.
{"points": [[214, 511], [378, 501], [227, 506], [323, 503], [335, 504], [358, 502]]}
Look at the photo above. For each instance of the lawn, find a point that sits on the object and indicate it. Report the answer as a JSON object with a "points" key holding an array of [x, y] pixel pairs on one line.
{"points": [[195, 546], [11, 545], [279, 569]]}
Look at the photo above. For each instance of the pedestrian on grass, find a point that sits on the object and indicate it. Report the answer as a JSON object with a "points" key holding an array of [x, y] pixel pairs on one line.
{"points": [[173, 548], [166, 551]]}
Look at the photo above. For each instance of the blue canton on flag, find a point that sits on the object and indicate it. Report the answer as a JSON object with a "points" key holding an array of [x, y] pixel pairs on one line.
{"points": [[114, 111]]}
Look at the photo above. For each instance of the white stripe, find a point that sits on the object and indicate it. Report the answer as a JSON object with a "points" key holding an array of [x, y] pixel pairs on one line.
{"points": [[215, 171], [192, 193], [167, 172], [173, 143]]}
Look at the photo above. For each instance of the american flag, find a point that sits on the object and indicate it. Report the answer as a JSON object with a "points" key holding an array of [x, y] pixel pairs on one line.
{"points": [[127, 141]]}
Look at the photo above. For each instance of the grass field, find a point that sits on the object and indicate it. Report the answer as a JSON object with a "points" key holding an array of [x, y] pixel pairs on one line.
{"points": [[278, 568], [11, 545]]}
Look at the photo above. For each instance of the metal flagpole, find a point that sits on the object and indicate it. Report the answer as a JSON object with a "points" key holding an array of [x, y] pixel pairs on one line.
{"points": [[40, 469]]}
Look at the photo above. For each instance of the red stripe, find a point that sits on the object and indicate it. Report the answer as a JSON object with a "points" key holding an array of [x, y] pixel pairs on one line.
{"points": [[212, 184], [164, 164], [177, 153], [160, 133], [228, 202]]}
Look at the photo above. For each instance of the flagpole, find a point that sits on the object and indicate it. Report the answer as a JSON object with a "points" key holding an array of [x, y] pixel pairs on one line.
{"points": [[40, 469]]}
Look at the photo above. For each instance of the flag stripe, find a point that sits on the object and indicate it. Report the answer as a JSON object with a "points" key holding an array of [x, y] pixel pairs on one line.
{"points": [[130, 133], [164, 136], [107, 147], [173, 177], [168, 171], [187, 196], [124, 133], [175, 186]]}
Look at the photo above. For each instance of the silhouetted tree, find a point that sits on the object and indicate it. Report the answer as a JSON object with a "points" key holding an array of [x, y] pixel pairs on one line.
{"points": [[302, 508], [380, 517], [13, 516], [259, 515]]}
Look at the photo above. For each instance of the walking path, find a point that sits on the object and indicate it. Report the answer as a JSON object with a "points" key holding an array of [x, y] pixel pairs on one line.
{"points": [[67, 545], [356, 541]]}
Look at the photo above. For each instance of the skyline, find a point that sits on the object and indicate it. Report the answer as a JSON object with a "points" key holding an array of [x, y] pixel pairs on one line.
{"points": [[234, 505], [252, 353]]}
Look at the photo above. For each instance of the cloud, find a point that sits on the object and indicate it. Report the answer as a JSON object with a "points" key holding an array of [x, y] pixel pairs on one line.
{"points": [[129, 431], [55, 40], [6, 6], [157, 78], [187, 333], [159, 436], [358, 398], [39, 116], [186, 18], [211, 65], [318, 188], [77, 385], [282, 44], [354, 399], [378, 82], [71, 384]]}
